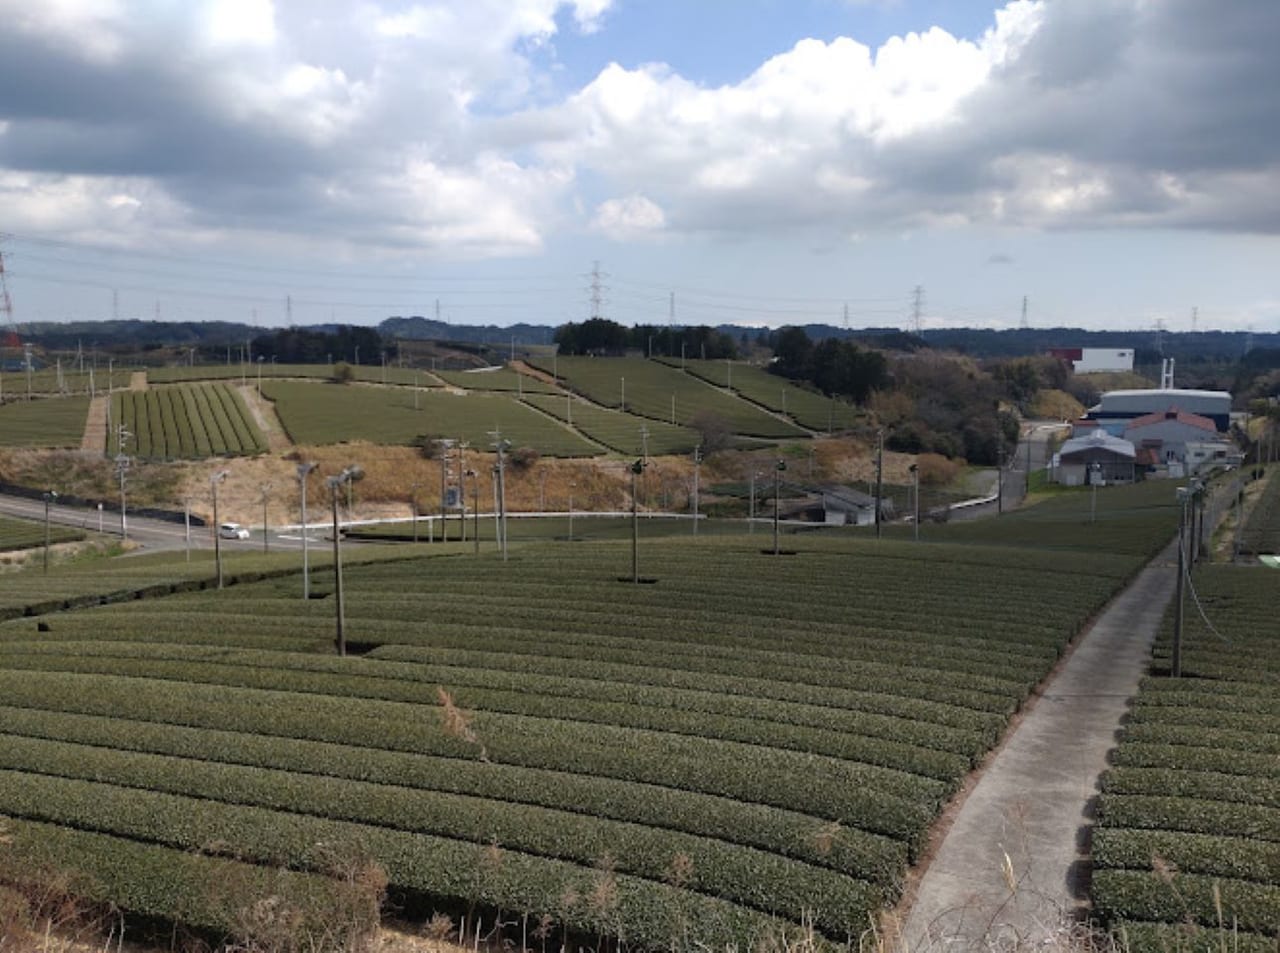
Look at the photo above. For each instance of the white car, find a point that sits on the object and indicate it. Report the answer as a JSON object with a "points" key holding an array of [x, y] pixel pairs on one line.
{"points": [[233, 531]]}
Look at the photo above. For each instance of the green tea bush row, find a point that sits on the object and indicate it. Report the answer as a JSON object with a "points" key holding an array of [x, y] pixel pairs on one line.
{"points": [[1184, 782], [882, 692], [870, 857], [186, 422], [1172, 898], [1196, 736], [1221, 760], [1233, 857], [871, 748], [1137, 937], [822, 787], [200, 891], [438, 865], [1191, 815]]}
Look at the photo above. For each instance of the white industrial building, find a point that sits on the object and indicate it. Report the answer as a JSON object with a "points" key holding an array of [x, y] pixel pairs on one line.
{"points": [[1119, 408], [1094, 360]]}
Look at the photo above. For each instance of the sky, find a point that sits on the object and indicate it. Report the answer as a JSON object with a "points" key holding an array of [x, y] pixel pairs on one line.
{"points": [[1114, 164]]}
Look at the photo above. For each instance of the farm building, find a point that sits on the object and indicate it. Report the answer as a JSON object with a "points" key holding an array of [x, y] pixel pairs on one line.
{"points": [[1099, 457], [1089, 360], [1119, 408], [843, 506], [1180, 442]]}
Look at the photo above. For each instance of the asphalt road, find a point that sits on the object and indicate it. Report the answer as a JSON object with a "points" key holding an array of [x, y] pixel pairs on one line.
{"points": [[151, 535], [1033, 452]]}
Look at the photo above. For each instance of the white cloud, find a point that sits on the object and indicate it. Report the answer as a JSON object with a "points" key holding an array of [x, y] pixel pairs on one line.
{"points": [[631, 217], [425, 124], [240, 22]]}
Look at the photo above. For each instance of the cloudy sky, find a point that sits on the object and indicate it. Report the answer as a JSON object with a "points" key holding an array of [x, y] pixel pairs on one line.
{"points": [[762, 161]]}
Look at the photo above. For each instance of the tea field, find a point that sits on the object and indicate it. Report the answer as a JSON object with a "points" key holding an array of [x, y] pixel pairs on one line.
{"points": [[189, 422], [659, 392], [18, 534], [46, 423], [1187, 854], [495, 379], [809, 409], [617, 430], [1261, 531], [743, 745], [317, 414]]}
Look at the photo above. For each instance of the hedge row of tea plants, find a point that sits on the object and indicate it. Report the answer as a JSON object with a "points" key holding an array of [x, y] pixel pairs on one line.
{"points": [[187, 422], [747, 741], [1188, 848]]}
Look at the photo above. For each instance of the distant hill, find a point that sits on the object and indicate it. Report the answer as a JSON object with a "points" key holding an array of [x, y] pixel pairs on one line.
{"points": [[1186, 347], [425, 329]]}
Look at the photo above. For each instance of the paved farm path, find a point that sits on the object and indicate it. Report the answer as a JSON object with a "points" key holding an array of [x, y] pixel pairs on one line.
{"points": [[94, 441], [1013, 870]]}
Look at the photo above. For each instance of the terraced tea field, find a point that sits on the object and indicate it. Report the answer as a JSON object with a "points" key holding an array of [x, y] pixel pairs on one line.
{"points": [[188, 422], [749, 743], [318, 414], [1188, 852], [47, 423], [617, 430], [776, 393], [500, 379], [659, 392]]}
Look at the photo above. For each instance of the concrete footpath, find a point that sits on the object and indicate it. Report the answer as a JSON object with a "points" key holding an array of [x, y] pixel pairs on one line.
{"points": [[1013, 870]]}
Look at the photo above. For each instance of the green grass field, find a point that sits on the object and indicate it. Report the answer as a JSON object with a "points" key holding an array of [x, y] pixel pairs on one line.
{"points": [[186, 422], [810, 410], [330, 413], [746, 745], [617, 430], [53, 422], [663, 393], [1192, 804]]}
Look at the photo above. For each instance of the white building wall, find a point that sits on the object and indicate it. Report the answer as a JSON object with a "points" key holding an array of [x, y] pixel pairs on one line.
{"points": [[1097, 359]]}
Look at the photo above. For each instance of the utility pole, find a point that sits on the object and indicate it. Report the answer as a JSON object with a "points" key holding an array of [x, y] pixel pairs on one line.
{"points": [[304, 469], [636, 469], [501, 446], [879, 479], [1175, 662], [348, 475], [777, 488], [266, 496], [915, 500], [217, 534], [697, 473]]}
